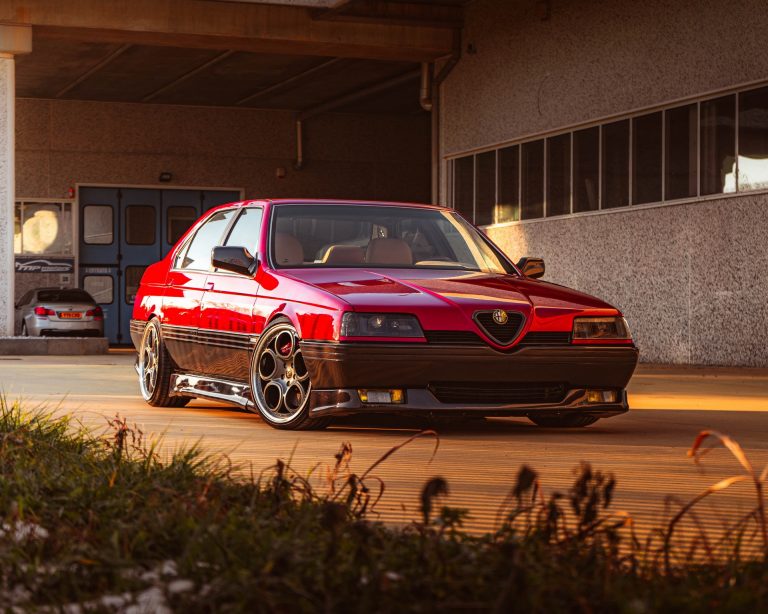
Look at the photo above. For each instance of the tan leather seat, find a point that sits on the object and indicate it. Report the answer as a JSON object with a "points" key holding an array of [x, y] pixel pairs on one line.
{"points": [[389, 251], [344, 254], [288, 250]]}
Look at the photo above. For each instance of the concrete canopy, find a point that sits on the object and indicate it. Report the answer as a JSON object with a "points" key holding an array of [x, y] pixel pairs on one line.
{"points": [[221, 53]]}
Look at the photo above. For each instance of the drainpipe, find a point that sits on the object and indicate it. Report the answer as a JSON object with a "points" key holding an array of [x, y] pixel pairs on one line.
{"points": [[425, 91], [435, 108], [299, 164]]}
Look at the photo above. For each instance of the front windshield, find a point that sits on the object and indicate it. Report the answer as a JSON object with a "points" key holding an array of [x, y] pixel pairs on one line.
{"points": [[366, 236]]}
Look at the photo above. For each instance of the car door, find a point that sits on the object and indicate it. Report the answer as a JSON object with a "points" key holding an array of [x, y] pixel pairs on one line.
{"points": [[185, 286], [226, 314]]}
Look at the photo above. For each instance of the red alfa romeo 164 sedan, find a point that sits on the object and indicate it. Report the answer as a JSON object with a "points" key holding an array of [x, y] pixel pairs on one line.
{"points": [[305, 310]]}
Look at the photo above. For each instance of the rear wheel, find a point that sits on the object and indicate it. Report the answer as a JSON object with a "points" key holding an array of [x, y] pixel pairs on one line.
{"points": [[155, 367], [574, 421], [24, 331], [280, 381]]}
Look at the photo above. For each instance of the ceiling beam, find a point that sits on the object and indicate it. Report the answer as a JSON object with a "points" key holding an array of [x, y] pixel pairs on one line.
{"points": [[254, 27], [435, 15], [187, 75], [287, 82], [93, 70]]}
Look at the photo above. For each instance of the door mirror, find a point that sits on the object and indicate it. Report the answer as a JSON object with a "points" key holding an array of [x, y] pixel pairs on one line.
{"points": [[531, 267], [235, 259]]}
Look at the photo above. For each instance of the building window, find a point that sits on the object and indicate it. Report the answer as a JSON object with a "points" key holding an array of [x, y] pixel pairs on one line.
{"points": [[586, 170], [485, 187], [680, 127], [532, 180], [463, 186], [100, 287], [616, 164], [132, 280], [178, 221], [715, 146], [646, 159], [559, 175], [43, 228], [140, 225], [718, 145], [753, 139], [97, 225], [508, 197]]}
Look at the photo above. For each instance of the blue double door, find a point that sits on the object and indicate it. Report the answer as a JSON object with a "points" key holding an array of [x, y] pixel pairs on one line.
{"points": [[122, 232]]}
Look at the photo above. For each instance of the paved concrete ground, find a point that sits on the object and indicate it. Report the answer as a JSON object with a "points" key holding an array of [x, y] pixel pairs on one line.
{"points": [[646, 448]]}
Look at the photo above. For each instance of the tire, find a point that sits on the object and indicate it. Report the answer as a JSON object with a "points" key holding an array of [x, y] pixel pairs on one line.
{"points": [[155, 368], [563, 422], [279, 379], [24, 331]]}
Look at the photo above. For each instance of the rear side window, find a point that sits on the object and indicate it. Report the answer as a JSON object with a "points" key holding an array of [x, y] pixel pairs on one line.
{"points": [[64, 296], [197, 254]]}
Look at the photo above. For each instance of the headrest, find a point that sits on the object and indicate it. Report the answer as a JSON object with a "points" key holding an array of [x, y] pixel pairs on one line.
{"points": [[344, 254], [288, 250], [388, 251]]}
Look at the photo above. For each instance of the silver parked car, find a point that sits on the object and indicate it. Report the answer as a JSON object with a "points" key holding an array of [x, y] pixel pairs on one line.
{"points": [[56, 311]]}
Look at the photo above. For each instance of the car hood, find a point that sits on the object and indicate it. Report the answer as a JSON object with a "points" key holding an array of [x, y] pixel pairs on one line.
{"points": [[442, 292]]}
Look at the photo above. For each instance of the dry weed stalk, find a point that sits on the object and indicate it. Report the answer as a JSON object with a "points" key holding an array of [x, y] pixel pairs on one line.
{"points": [[697, 452]]}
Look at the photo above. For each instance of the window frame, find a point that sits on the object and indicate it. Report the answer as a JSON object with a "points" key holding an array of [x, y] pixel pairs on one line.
{"points": [[21, 203], [696, 101]]}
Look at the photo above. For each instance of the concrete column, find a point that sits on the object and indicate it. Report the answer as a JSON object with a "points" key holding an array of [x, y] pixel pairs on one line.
{"points": [[7, 191], [13, 40]]}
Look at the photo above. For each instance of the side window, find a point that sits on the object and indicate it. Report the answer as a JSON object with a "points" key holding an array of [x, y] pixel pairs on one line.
{"points": [[197, 254], [246, 230]]}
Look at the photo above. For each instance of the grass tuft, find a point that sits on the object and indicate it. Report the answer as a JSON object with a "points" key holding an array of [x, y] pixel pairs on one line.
{"points": [[104, 524]]}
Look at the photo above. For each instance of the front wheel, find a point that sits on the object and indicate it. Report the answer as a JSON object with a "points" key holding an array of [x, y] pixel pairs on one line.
{"points": [[155, 367], [567, 421], [280, 382]]}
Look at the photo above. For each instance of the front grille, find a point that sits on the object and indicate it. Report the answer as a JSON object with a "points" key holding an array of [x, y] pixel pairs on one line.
{"points": [[501, 393], [546, 338], [453, 337], [503, 334]]}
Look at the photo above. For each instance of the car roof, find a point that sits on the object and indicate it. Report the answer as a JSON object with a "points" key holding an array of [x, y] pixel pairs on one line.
{"points": [[327, 201]]}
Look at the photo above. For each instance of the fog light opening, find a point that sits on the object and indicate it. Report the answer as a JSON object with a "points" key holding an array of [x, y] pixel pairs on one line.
{"points": [[601, 396], [384, 397]]}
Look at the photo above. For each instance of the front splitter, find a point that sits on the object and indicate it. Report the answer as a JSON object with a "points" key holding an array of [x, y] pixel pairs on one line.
{"points": [[343, 402]]}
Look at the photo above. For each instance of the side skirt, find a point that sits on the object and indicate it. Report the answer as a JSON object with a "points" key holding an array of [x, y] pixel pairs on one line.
{"points": [[235, 393]]}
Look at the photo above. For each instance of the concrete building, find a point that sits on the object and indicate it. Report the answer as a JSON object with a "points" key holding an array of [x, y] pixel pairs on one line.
{"points": [[624, 142]]}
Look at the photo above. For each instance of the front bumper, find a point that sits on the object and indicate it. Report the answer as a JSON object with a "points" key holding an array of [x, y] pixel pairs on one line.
{"points": [[339, 370]]}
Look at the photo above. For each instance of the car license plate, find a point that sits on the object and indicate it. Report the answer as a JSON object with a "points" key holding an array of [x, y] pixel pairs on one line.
{"points": [[70, 315]]}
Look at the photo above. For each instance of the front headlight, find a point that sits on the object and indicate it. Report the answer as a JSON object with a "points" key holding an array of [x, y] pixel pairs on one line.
{"points": [[601, 328], [380, 325]]}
